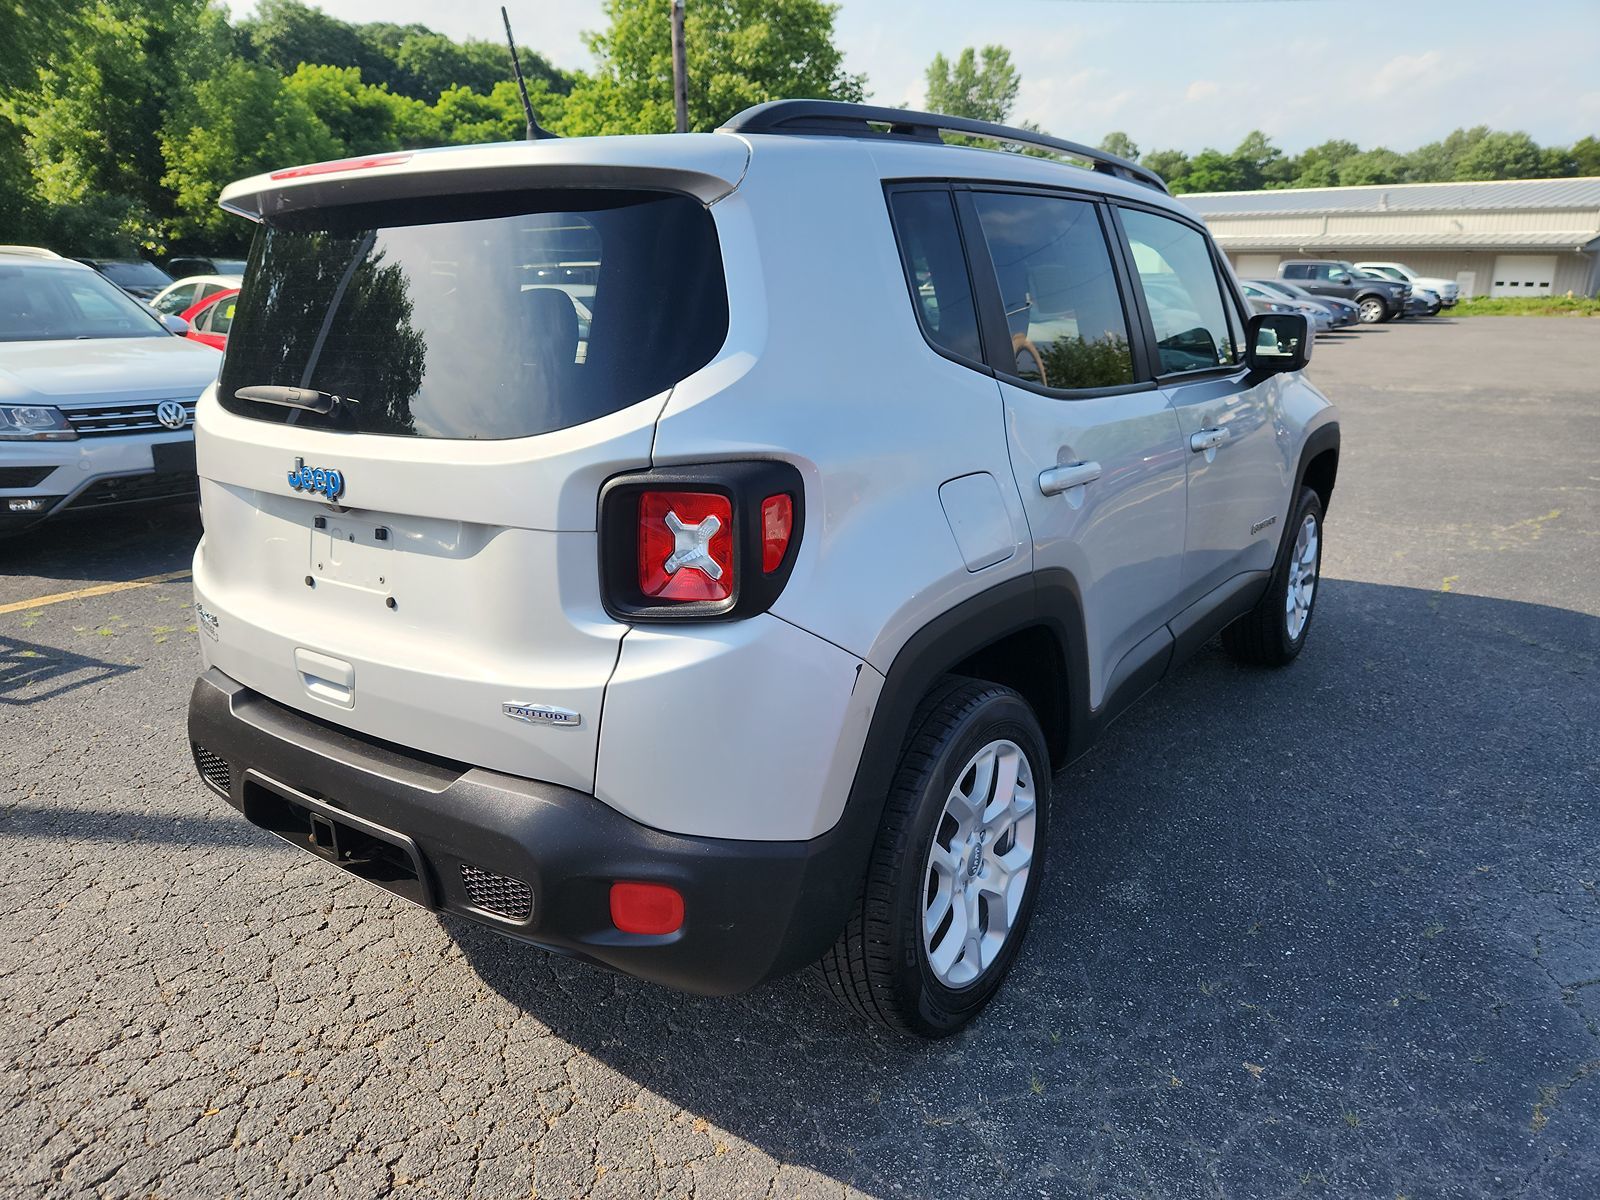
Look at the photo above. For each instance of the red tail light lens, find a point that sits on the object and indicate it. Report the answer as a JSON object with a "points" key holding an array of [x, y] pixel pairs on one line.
{"points": [[651, 908], [685, 546], [342, 164], [777, 523]]}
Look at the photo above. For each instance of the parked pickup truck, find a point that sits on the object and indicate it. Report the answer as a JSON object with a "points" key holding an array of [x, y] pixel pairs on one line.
{"points": [[1379, 299]]}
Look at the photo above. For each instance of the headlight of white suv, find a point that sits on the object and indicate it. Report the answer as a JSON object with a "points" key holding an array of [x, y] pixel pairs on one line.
{"points": [[34, 423]]}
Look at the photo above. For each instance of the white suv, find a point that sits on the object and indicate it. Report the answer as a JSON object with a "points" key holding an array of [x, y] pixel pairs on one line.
{"points": [[97, 394], [1448, 290], [740, 619]]}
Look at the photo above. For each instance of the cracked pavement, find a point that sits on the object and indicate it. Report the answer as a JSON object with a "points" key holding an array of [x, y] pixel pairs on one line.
{"points": [[1332, 931]]}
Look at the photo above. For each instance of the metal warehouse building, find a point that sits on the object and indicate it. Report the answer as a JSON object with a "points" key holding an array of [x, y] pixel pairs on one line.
{"points": [[1514, 237]]}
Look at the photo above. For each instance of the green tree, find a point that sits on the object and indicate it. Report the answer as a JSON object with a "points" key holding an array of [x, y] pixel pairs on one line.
{"points": [[740, 52], [285, 33], [1502, 156], [362, 117], [981, 86], [1586, 156], [1439, 162], [1214, 171], [91, 123], [1118, 143], [1372, 166], [1172, 166], [1318, 166], [1261, 163], [242, 121]]}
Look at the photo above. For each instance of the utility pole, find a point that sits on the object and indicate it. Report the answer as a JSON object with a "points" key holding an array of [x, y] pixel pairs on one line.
{"points": [[680, 74]]}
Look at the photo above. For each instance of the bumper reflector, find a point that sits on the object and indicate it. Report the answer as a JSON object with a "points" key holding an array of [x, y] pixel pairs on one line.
{"points": [[649, 908]]}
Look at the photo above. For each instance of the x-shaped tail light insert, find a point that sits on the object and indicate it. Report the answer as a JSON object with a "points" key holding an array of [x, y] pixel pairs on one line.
{"points": [[692, 546]]}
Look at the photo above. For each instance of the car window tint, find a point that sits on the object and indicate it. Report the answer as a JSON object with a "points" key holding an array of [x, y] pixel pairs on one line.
{"points": [[1182, 291], [1067, 324], [483, 315], [936, 269], [177, 299], [222, 315]]}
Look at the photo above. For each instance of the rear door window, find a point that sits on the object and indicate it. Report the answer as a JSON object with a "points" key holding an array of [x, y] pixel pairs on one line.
{"points": [[488, 316], [1182, 291], [1063, 308], [936, 269], [178, 299]]}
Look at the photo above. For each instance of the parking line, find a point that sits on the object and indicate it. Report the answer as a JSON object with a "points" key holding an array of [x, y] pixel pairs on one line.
{"points": [[103, 589]]}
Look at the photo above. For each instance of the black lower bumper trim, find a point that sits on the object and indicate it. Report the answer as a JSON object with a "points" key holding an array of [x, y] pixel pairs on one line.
{"points": [[426, 829]]}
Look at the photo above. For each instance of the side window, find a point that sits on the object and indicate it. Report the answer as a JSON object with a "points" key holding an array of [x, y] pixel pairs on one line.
{"points": [[177, 299], [1182, 291], [1068, 328], [222, 314], [936, 269], [1295, 271]]}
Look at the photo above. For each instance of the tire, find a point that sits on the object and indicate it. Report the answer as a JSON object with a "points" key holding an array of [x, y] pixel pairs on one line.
{"points": [[1273, 632], [1373, 310], [884, 965]]}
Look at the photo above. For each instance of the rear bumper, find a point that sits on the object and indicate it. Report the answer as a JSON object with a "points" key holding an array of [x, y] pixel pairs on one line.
{"points": [[542, 858]]}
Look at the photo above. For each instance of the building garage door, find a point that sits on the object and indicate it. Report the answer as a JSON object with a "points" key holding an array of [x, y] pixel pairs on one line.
{"points": [[1523, 275], [1256, 266]]}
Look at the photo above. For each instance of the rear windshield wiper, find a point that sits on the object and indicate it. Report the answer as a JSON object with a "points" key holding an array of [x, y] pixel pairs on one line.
{"points": [[292, 397]]}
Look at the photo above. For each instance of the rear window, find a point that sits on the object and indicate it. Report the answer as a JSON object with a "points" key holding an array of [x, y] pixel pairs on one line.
{"points": [[133, 274], [488, 316]]}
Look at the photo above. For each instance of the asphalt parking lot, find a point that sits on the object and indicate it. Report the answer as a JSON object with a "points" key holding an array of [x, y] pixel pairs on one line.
{"points": [[1330, 931]]}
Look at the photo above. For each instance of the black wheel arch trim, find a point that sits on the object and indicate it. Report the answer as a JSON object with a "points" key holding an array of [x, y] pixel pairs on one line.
{"points": [[1319, 441]]}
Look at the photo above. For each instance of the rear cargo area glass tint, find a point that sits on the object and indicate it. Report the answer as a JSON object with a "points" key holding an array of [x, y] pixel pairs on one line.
{"points": [[485, 316]]}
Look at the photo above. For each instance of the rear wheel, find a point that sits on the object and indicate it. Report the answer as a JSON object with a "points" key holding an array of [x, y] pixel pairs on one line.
{"points": [[956, 867], [1273, 632]]}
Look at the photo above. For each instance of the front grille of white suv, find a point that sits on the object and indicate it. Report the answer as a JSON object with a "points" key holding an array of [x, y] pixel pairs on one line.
{"points": [[138, 416]]}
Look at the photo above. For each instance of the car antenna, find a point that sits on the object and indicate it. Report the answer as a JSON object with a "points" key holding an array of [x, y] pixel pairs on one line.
{"points": [[535, 130]]}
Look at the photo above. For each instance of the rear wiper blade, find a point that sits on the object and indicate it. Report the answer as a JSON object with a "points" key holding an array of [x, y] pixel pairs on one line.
{"points": [[292, 397]]}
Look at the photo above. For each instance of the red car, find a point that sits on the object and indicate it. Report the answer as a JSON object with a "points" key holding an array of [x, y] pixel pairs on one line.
{"points": [[210, 320]]}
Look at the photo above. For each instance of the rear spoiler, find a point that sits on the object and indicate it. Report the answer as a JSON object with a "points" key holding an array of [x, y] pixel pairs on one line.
{"points": [[707, 166]]}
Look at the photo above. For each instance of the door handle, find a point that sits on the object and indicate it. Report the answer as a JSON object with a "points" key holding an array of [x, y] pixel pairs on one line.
{"points": [[1207, 439], [1068, 475]]}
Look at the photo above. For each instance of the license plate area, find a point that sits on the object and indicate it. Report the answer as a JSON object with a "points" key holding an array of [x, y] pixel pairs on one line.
{"points": [[362, 847], [353, 550], [173, 458]]}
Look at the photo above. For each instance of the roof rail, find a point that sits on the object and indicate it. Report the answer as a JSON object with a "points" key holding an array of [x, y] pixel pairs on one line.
{"points": [[839, 119], [30, 251]]}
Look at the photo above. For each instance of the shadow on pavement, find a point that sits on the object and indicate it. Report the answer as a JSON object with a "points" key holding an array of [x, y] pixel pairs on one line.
{"points": [[1323, 930], [32, 673], [106, 547]]}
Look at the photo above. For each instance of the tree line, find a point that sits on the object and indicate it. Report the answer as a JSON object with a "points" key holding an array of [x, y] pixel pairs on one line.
{"points": [[122, 120]]}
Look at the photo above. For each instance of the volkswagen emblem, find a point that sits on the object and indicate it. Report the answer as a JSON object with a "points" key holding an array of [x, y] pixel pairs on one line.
{"points": [[172, 414]]}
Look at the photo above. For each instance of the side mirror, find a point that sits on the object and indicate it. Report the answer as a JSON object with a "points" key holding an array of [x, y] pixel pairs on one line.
{"points": [[1279, 342], [175, 324], [1341, 277]]}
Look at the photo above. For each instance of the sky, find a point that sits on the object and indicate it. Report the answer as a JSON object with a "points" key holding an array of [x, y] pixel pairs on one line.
{"points": [[1183, 74]]}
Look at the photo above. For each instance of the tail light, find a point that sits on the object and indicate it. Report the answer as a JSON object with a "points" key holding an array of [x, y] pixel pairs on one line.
{"points": [[698, 543]]}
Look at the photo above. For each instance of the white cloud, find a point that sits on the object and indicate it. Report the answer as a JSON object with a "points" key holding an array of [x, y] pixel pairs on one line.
{"points": [[1201, 89]]}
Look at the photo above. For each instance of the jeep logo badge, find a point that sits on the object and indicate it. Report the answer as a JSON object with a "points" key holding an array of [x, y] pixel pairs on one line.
{"points": [[324, 481]]}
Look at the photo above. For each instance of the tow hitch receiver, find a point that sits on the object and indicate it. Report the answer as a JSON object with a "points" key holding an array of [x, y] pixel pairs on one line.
{"points": [[352, 843]]}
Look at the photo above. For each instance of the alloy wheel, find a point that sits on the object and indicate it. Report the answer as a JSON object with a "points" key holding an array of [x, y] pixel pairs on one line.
{"points": [[977, 868], [1302, 578]]}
